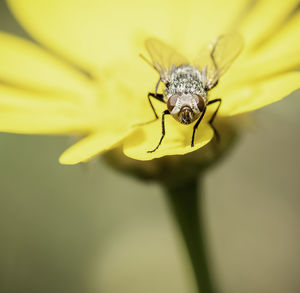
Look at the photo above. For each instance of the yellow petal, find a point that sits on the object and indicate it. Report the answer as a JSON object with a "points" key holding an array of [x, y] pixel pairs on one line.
{"points": [[286, 38], [199, 22], [26, 123], [25, 64], [262, 66], [264, 19], [19, 98], [93, 145], [94, 33], [30, 112], [177, 140], [280, 54], [248, 97]]}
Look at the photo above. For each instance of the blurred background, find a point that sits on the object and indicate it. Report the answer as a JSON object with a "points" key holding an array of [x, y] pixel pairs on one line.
{"points": [[87, 228]]}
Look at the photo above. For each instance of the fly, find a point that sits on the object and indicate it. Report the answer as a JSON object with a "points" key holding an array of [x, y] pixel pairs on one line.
{"points": [[187, 84]]}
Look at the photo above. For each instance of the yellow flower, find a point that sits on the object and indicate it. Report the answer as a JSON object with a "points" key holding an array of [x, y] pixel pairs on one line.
{"points": [[88, 80]]}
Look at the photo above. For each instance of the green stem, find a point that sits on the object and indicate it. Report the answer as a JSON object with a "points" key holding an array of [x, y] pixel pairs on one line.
{"points": [[184, 200]]}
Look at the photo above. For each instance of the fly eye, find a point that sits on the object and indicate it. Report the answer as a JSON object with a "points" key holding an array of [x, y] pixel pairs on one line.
{"points": [[172, 102], [200, 102]]}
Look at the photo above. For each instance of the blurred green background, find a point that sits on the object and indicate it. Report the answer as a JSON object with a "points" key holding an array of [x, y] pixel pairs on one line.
{"points": [[89, 229]]}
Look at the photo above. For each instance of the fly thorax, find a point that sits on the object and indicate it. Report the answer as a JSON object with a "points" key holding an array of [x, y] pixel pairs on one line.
{"points": [[185, 80]]}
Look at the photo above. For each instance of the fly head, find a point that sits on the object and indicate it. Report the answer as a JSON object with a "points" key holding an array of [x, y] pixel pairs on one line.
{"points": [[186, 108]]}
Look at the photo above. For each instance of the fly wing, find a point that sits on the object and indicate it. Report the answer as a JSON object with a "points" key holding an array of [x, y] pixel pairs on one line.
{"points": [[216, 58], [164, 58]]}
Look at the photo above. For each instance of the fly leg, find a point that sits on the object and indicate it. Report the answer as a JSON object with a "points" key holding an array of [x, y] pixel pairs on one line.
{"points": [[196, 126], [157, 96], [166, 112], [211, 120]]}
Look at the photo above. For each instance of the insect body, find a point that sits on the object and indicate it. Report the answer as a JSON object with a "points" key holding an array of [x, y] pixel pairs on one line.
{"points": [[184, 94], [187, 84]]}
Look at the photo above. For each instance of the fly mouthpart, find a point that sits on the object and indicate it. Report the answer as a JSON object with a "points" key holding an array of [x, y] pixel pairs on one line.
{"points": [[186, 115]]}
